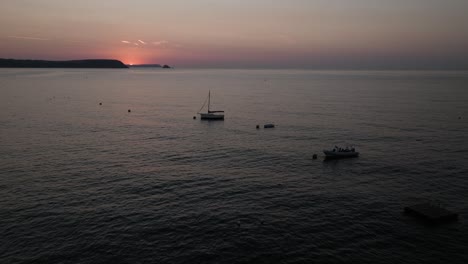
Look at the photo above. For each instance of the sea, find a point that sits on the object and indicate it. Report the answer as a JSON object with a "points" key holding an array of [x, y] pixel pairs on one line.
{"points": [[110, 166]]}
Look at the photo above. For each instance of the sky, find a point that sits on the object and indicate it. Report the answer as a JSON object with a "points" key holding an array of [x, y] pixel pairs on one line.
{"points": [[321, 34]]}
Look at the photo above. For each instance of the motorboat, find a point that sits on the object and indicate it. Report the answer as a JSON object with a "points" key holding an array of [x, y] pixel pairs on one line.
{"points": [[338, 152]]}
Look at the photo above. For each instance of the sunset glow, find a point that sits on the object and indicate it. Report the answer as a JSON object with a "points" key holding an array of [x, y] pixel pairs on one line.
{"points": [[309, 34]]}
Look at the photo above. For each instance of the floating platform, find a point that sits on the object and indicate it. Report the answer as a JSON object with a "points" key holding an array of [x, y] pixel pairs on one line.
{"points": [[431, 213]]}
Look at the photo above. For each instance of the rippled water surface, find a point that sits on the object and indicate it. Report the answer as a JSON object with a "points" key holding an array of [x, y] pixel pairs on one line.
{"points": [[87, 183]]}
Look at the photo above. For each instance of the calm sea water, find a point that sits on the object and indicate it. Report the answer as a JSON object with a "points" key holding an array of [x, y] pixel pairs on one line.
{"points": [[87, 183]]}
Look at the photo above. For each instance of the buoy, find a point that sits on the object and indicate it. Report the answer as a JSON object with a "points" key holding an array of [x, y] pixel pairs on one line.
{"points": [[129, 110], [459, 117], [194, 117], [314, 156], [100, 103], [258, 126]]}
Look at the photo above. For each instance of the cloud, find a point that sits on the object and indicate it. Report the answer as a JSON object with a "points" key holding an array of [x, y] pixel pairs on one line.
{"points": [[161, 42], [24, 37]]}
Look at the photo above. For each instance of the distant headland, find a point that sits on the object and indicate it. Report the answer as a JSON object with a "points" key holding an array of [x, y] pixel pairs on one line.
{"points": [[165, 66], [92, 63]]}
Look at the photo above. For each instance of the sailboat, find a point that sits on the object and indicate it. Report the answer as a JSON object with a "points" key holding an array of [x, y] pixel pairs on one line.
{"points": [[211, 115]]}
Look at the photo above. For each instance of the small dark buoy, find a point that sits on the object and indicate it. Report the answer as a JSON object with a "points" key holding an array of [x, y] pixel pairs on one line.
{"points": [[258, 126], [459, 117], [314, 156], [194, 117], [129, 110], [100, 103]]}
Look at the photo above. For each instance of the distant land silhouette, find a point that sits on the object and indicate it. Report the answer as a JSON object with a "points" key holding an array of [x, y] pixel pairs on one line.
{"points": [[144, 65], [92, 63], [165, 66]]}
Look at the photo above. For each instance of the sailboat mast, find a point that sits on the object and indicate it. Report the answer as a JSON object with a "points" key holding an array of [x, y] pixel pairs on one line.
{"points": [[209, 96]]}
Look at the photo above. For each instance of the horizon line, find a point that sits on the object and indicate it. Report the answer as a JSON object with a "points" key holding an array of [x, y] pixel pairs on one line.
{"points": [[276, 67]]}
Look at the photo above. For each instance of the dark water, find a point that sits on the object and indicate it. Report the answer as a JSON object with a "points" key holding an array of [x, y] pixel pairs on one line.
{"points": [[84, 183]]}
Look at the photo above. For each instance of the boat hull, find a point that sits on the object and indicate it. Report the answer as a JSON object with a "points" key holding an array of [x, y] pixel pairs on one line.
{"points": [[210, 116], [329, 154]]}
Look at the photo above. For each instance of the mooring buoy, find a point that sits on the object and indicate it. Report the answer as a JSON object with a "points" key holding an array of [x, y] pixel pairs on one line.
{"points": [[194, 117], [129, 110], [314, 156], [257, 126], [100, 103]]}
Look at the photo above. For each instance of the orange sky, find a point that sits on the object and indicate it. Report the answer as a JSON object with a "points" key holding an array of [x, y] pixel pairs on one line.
{"points": [[228, 33]]}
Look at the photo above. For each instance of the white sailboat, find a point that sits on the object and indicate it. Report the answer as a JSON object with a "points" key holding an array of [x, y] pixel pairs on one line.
{"points": [[211, 114]]}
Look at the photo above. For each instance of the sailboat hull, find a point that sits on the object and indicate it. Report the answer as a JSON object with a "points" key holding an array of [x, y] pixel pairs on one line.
{"points": [[211, 116]]}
